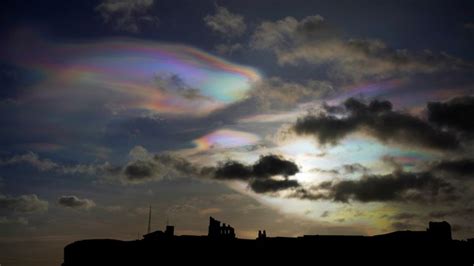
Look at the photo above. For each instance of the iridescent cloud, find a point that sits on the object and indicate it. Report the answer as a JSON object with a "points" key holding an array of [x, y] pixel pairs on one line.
{"points": [[225, 138], [131, 73]]}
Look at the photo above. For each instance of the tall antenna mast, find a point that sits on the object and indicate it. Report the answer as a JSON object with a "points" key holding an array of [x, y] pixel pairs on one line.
{"points": [[149, 220]]}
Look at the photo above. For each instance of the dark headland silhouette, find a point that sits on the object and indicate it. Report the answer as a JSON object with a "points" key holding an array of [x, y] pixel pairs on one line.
{"points": [[434, 246]]}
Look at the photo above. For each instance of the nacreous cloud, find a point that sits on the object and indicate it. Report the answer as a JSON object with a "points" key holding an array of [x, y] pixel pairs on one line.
{"points": [[131, 75]]}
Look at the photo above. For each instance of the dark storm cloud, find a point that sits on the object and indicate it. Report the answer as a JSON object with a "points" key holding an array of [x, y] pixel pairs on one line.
{"points": [[179, 164], [376, 106], [149, 167], [354, 168], [139, 170], [143, 166], [75, 202], [267, 166], [461, 168], [272, 165], [233, 170], [456, 113], [22, 204], [327, 129], [272, 185], [378, 120], [269, 174], [259, 175], [397, 186]]}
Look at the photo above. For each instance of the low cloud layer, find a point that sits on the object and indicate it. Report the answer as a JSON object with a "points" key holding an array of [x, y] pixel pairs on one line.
{"points": [[153, 167], [455, 113], [461, 168], [45, 164], [272, 185], [74, 202], [397, 186], [22, 204], [260, 175], [378, 120]]}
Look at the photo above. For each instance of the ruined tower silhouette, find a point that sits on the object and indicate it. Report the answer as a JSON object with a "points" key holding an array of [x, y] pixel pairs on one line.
{"points": [[218, 231], [429, 247]]}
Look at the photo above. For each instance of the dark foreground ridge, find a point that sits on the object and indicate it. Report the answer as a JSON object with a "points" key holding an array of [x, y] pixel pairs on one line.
{"points": [[220, 247]]}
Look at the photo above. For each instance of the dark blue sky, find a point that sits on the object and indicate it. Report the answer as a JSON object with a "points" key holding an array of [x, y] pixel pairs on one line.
{"points": [[109, 106]]}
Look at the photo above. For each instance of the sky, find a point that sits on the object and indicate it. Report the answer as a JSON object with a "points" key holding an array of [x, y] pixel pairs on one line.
{"points": [[297, 117]]}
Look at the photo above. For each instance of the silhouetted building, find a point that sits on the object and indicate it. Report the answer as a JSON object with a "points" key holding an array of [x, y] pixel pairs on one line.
{"points": [[157, 235], [431, 247], [169, 231], [440, 230], [217, 231]]}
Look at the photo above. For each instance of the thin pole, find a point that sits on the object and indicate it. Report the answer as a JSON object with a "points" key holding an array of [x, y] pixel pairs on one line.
{"points": [[149, 220]]}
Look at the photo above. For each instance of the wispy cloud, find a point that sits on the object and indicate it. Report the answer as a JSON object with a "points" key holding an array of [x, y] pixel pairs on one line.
{"points": [[225, 22], [131, 16]]}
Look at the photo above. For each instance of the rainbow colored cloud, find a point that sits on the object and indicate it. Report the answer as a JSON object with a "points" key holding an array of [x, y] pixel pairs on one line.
{"points": [[136, 74], [225, 138]]}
